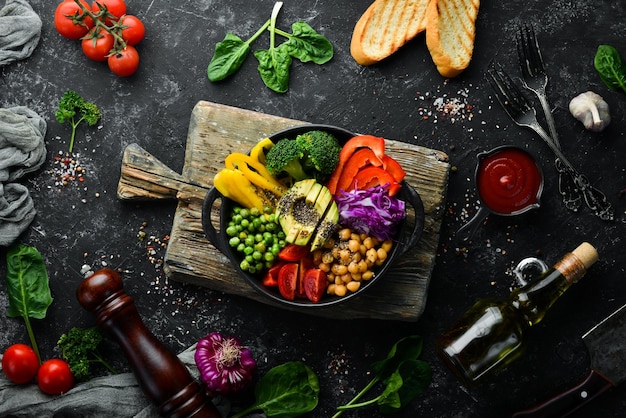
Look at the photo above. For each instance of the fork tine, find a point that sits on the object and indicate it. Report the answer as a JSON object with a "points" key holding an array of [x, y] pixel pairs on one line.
{"points": [[507, 93], [528, 51]]}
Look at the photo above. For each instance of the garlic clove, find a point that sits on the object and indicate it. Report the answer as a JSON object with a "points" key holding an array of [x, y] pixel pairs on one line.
{"points": [[590, 109]]}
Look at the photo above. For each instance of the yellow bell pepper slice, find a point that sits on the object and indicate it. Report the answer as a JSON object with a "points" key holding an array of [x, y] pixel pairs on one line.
{"points": [[259, 151], [255, 172], [234, 185]]}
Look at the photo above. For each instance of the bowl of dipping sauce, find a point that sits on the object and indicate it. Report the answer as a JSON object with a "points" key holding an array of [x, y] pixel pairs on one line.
{"points": [[509, 182]]}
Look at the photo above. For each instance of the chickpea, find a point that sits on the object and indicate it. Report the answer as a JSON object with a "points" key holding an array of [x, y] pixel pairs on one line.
{"points": [[372, 255], [340, 290], [346, 278], [381, 254], [356, 276], [387, 245], [344, 255], [367, 275], [353, 245], [353, 286], [368, 242], [331, 289], [344, 234], [325, 267], [339, 269], [363, 266], [328, 258], [353, 267]]}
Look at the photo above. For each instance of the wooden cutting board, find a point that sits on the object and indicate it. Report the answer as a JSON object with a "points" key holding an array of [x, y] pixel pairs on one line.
{"points": [[215, 131]]}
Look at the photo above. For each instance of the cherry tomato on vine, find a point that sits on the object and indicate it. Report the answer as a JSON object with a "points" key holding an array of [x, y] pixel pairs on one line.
{"points": [[66, 26], [125, 62], [97, 44], [55, 377], [117, 8], [133, 29], [20, 363]]}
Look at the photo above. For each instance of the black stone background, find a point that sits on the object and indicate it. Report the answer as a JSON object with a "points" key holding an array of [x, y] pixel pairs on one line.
{"points": [[152, 108]]}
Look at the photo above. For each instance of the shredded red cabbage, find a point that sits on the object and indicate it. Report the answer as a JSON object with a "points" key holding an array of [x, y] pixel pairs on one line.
{"points": [[371, 211]]}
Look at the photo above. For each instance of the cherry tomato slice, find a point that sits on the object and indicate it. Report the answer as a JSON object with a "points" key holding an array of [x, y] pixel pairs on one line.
{"points": [[66, 26], [270, 278], [125, 62], [55, 377], [287, 279], [133, 29], [20, 363], [315, 284], [293, 252], [97, 44], [305, 264]]}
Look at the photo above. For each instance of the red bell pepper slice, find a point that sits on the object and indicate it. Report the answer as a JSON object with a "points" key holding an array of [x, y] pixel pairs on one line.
{"points": [[293, 252], [360, 159], [374, 176], [376, 144], [394, 168]]}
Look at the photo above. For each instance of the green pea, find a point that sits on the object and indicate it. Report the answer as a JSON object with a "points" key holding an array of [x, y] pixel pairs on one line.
{"points": [[234, 241]]}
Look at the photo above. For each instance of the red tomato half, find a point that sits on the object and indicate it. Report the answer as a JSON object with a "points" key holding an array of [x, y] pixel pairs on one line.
{"points": [[66, 26], [287, 280], [125, 62], [97, 44], [20, 363], [55, 377], [315, 284], [133, 29], [271, 277], [117, 8]]}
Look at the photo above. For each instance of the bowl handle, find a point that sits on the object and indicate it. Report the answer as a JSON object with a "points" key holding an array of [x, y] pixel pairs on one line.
{"points": [[413, 199], [211, 233]]}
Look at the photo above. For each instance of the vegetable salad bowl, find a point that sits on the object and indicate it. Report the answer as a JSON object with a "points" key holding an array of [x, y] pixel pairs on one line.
{"points": [[408, 235]]}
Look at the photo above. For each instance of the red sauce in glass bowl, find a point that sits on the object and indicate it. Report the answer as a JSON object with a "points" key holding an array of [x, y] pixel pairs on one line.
{"points": [[509, 181]]}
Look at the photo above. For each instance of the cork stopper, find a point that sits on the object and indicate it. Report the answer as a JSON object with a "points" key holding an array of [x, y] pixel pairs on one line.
{"points": [[586, 253]]}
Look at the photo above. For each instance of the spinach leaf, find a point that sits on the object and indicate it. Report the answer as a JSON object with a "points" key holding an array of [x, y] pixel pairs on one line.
{"points": [[403, 375], [27, 286], [307, 45], [274, 65], [610, 67], [229, 56], [286, 391]]}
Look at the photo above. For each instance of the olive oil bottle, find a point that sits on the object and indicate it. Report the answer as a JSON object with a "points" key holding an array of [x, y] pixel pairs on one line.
{"points": [[490, 335]]}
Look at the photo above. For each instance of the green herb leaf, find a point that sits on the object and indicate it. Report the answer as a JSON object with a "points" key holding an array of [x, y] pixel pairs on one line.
{"points": [[286, 391], [416, 376], [307, 45], [610, 67], [407, 348], [274, 67], [27, 283], [228, 57], [28, 287]]}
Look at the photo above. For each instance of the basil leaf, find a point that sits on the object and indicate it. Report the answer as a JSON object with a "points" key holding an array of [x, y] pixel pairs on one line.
{"points": [[307, 45], [288, 390], [274, 67], [610, 67], [27, 283], [228, 57]]}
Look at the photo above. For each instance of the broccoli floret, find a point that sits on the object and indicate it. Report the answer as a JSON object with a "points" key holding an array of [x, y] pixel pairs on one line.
{"points": [[321, 153], [79, 347], [74, 110], [285, 156]]}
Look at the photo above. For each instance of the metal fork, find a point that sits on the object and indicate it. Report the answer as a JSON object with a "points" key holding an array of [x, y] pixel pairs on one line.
{"points": [[523, 114], [535, 79]]}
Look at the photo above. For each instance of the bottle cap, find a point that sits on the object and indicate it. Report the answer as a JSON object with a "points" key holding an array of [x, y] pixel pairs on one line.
{"points": [[586, 253]]}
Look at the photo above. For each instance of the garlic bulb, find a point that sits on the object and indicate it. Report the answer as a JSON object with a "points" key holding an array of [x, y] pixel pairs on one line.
{"points": [[591, 110]]}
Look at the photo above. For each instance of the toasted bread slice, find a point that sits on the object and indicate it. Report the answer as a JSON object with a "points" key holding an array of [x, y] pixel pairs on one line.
{"points": [[450, 32], [386, 26]]}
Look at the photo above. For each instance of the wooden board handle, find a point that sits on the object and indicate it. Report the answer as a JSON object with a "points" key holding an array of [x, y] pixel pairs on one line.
{"points": [[144, 177]]}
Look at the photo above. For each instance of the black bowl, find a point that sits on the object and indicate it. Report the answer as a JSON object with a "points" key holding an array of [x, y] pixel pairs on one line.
{"points": [[407, 237]]}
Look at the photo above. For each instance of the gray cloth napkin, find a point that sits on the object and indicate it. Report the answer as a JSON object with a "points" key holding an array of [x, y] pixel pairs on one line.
{"points": [[115, 396], [20, 30], [22, 150]]}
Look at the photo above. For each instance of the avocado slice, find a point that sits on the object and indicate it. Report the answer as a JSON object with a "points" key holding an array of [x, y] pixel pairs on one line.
{"points": [[327, 226], [301, 210]]}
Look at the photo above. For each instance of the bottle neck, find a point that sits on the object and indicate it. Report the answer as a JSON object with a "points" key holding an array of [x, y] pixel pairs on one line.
{"points": [[533, 300]]}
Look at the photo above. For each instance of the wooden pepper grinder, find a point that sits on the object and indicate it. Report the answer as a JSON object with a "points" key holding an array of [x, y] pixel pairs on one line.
{"points": [[163, 378]]}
